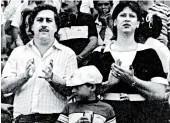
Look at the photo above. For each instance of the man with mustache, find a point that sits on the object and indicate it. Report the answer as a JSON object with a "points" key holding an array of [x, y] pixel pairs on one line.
{"points": [[37, 72], [78, 30]]}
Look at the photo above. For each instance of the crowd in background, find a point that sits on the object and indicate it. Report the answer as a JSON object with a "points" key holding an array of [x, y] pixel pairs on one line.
{"points": [[95, 33]]}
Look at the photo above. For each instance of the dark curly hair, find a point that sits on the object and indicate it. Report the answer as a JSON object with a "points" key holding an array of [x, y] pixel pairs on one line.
{"points": [[22, 29], [134, 6], [151, 28], [39, 8]]}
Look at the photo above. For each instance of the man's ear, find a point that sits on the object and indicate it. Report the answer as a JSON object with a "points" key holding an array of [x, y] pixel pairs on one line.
{"points": [[93, 87]]}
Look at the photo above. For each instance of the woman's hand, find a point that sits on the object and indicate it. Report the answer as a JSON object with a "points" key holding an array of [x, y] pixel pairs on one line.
{"points": [[123, 74], [113, 76]]}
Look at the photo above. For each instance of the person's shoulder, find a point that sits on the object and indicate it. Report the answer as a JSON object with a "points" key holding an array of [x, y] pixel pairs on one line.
{"points": [[67, 50], [147, 50], [86, 16], [19, 49], [106, 105]]}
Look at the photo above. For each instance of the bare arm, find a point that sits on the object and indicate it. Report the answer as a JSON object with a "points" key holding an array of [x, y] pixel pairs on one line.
{"points": [[90, 47], [59, 84], [12, 84], [150, 90]]}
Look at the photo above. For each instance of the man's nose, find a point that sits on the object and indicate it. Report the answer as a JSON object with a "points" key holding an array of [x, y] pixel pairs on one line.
{"points": [[103, 6], [44, 23], [74, 90]]}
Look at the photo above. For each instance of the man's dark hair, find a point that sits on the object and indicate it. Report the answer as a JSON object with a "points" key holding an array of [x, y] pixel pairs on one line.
{"points": [[39, 8], [96, 1], [134, 6]]}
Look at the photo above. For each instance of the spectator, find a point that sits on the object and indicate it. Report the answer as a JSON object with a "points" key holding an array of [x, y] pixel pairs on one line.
{"points": [[6, 116], [84, 82], [161, 10], [37, 72], [136, 80], [87, 6], [78, 31], [104, 22], [10, 30], [24, 32], [153, 24]]}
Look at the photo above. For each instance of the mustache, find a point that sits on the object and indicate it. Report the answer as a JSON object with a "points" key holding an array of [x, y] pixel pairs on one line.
{"points": [[43, 29]]}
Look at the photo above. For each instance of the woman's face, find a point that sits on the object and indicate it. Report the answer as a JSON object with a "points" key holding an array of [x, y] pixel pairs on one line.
{"points": [[126, 21]]}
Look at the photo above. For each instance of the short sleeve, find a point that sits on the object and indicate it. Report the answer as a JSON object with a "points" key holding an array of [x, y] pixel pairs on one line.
{"points": [[63, 117], [111, 116]]}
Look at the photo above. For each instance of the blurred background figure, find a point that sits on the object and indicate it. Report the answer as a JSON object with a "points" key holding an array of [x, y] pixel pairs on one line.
{"points": [[163, 11], [150, 30], [104, 22], [24, 32], [78, 30]]}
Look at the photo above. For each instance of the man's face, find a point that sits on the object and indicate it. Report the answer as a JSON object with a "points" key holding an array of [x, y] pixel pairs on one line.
{"points": [[44, 26], [68, 5], [103, 6], [81, 92]]}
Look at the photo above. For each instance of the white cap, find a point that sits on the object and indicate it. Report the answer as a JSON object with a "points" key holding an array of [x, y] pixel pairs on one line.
{"points": [[87, 74]]}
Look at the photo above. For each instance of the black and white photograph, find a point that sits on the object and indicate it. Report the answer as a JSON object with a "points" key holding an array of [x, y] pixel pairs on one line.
{"points": [[85, 61]]}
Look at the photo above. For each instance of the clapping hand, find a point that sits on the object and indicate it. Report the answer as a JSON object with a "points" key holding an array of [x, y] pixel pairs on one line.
{"points": [[48, 74], [113, 76], [30, 68], [123, 74]]}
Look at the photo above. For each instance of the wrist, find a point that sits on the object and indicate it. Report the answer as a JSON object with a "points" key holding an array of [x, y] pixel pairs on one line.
{"points": [[133, 83], [24, 77]]}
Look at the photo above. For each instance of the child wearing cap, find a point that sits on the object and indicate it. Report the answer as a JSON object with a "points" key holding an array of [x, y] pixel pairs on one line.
{"points": [[87, 108]]}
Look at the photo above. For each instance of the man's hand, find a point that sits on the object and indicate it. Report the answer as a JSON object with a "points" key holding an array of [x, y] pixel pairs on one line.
{"points": [[79, 58], [83, 120], [48, 74], [104, 19], [30, 68], [6, 108]]}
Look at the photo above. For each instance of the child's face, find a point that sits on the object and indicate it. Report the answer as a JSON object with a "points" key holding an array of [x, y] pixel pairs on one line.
{"points": [[81, 92]]}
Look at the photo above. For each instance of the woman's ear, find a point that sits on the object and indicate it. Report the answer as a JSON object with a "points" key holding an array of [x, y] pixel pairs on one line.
{"points": [[137, 26], [114, 24]]}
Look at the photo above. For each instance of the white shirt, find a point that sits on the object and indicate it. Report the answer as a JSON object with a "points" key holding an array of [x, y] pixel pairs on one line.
{"points": [[37, 95], [86, 5]]}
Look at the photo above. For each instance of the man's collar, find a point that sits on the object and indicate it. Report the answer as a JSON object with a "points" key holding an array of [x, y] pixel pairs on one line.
{"points": [[56, 44], [97, 21]]}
